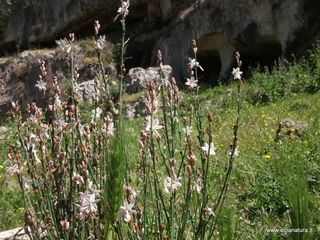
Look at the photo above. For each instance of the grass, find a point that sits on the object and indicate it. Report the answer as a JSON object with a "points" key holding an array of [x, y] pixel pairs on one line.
{"points": [[274, 184], [91, 55], [257, 187], [11, 204]]}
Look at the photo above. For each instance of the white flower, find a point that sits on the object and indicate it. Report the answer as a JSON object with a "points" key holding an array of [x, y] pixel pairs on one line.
{"points": [[77, 178], [36, 158], [101, 42], [94, 189], [44, 132], [236, 153], [171, 183], [96, 113], [88, 203], [64, 44], [26, 183], [13, 169], [57, 102], [41, 85], [210, 211], [81, 129], [236, 73], [154, 124], [187, 130], [192, 83], [197, 186], [194, 64], [33, 138], [42, 234], [126, 211], [33, 119], [123, 10], [108, 129], [115, 111], [60, 124], [209, 149]]}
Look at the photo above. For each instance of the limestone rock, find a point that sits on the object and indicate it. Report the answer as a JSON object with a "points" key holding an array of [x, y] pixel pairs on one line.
{"points": [[14, 234], [138, 79], [3, 131], [86, 91], [262, 30], [289, 128], [135, 109], [18, 76]]}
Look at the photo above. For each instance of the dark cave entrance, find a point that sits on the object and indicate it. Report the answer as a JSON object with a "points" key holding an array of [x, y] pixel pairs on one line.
{"points": [[263, 54], [211, 63], [215, 54]]}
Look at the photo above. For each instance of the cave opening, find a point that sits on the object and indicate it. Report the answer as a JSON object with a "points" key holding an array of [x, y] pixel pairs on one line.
{"points": [[216, 56], [211, 63], [263, 54]]}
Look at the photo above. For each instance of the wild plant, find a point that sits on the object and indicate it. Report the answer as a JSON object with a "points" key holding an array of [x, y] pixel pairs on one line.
{"points": [[74, 175], [299, 203]]}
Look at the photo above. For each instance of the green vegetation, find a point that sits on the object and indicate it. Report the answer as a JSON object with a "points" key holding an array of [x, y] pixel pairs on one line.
{"points": [[91, 52], [11, 204], [274, 184]]}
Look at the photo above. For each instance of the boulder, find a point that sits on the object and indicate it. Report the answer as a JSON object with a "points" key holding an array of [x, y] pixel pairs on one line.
{"points": [[86, 91], [290, 128], [135, 109], [138, 79], [14, 234], [3, 131]]}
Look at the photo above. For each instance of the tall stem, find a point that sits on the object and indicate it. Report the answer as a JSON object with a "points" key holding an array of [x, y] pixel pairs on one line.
{"points": [[122, 67], [220, 202]]}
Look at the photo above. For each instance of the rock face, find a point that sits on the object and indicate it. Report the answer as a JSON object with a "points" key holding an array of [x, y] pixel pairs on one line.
{"points": [[138, 79], [19, 76], [262, 30]]}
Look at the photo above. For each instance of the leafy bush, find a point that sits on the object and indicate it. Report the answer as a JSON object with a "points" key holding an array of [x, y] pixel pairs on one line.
{"points": [[286, 79]]}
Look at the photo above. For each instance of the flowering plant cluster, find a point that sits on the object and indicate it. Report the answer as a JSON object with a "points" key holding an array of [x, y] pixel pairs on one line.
{"points": [[76, 178]]}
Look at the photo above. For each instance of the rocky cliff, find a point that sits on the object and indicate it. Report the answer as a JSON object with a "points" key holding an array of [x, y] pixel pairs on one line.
{"points": [[262, 30], [19, 75]]}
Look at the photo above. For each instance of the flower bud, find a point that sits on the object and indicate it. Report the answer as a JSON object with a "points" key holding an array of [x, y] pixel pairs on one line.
{"points": [[210, 118], [65, 225], [191, 160], [172, 162], [189, 168], [71, 37], [96, 27]]}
